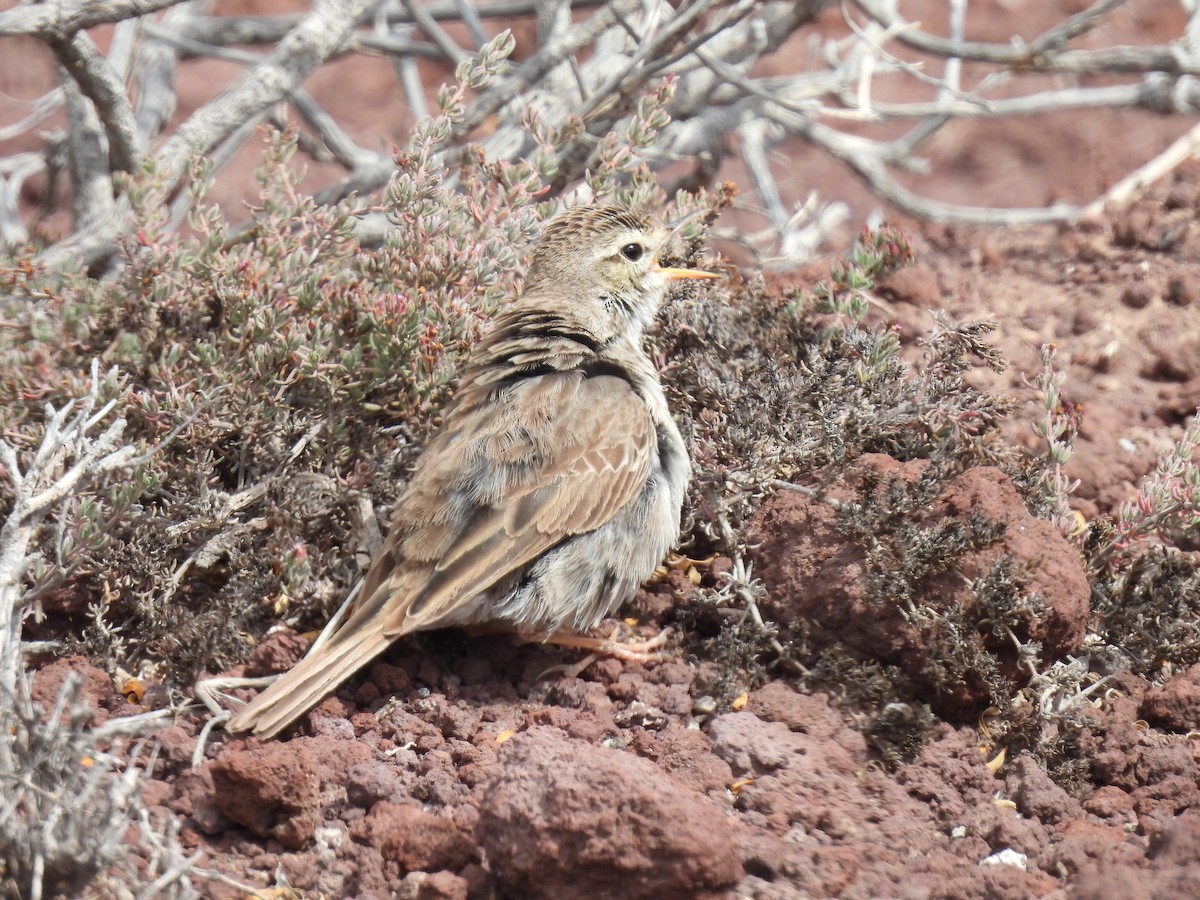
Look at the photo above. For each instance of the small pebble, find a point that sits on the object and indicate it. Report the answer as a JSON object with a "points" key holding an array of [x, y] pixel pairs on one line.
{"points": [[704, 706]]}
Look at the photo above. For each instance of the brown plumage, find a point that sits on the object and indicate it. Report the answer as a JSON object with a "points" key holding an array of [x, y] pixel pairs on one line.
{"points": [[555, 485]]}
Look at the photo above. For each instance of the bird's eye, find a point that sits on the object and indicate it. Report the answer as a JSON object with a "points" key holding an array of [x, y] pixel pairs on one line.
{"points": [[633, 252]]}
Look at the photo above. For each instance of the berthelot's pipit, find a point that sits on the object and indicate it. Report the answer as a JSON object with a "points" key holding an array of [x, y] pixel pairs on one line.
{"points": [[554, 487]]}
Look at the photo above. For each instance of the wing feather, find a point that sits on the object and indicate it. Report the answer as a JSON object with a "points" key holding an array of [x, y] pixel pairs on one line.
{"points": [[573, 452]]}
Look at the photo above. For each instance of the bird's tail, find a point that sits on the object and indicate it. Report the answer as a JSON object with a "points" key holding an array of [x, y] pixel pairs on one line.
{"points": [[310, 680]]}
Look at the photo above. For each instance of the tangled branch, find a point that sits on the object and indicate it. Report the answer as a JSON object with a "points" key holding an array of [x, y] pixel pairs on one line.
{"points": [[591, 64]]}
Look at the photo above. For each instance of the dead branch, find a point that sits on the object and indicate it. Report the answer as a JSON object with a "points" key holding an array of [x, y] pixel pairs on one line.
{"points": [[68, 456], [269, 82], [87, 155], [272, 80], [593, 62], [454, 53], [224, 31], [1047, 53], [61, 20], [99, 82], [153, 71], [13, 172]]}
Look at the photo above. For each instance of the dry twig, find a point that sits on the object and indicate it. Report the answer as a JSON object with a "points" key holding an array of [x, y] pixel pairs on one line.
{"points": [[593, 63]]}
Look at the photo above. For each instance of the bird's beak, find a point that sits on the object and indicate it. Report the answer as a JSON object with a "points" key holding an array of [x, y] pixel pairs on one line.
{"points": [[673, 274]]}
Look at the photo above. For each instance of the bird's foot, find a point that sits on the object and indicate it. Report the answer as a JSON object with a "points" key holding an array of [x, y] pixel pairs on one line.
{"points": [[627, 650]]}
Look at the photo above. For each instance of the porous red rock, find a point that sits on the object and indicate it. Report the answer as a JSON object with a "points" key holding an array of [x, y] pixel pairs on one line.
{"points": [[1176, 704], [272, 789], [1172, 867], [563, 818], [414, 839], [95, 688], [278, 652], [1036, 795]]}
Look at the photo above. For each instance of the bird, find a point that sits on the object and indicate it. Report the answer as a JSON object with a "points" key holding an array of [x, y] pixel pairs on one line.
{"points": [[553, 487]]}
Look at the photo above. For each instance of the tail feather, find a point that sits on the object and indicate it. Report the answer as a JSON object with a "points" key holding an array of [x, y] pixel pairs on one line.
{"points": [[310, 681]]}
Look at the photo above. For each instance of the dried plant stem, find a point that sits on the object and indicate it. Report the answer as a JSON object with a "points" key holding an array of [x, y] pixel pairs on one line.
{"points": [[67, 458]]}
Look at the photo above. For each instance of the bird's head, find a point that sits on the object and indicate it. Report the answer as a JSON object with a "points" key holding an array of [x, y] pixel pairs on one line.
{"points": [[603, 262]]}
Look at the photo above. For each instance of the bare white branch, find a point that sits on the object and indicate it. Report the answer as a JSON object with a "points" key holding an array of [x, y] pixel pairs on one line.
{"points": [[40, 109], [154, 71], [100, 83], [63, 19], [13, 172], [435, 32], [1183, 149], [591, 67], [311, 42], [1045, 53], [305, 47], [92, 195], [68, 457]]}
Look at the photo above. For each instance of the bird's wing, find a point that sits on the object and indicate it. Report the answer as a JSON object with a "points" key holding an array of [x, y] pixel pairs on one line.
{"points": [[503, 486], [495, 490]]}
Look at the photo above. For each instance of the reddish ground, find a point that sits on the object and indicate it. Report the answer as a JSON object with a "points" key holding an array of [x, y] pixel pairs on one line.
{"points": [[453, 770]]}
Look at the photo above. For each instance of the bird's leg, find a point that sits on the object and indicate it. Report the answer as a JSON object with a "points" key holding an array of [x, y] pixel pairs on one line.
{"points": [[597, 647], [629, 651]]}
